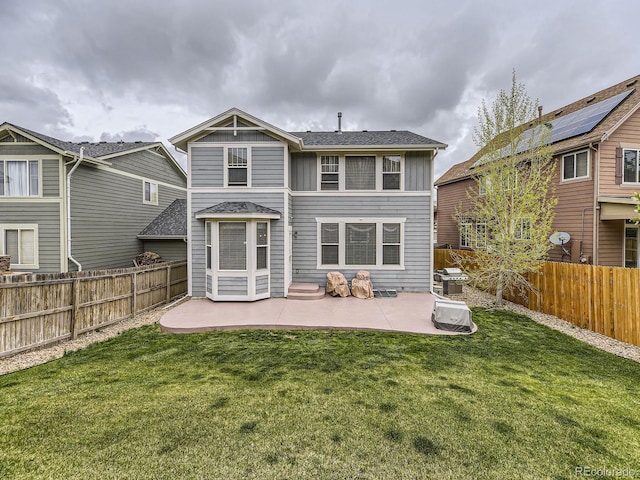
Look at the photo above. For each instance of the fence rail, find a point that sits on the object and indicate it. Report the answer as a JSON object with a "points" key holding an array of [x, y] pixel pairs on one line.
{"points": [[602, 299], [40, 309]]}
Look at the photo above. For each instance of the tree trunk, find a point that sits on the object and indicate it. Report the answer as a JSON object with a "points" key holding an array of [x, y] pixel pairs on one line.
{"points": [[499, 290]]}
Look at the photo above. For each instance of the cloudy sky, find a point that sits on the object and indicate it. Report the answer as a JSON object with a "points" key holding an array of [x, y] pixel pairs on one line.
{"points": [[149, 69]]}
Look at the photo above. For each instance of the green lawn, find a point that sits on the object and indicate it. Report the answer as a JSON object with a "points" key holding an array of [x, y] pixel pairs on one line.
{"points": [[515, 400]]}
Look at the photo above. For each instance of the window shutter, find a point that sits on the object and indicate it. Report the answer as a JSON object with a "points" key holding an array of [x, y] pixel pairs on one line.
{"points": [[618, 166]]}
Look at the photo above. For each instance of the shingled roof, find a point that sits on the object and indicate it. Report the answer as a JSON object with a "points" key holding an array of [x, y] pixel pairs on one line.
{"points": [[365, 137], [94, 150], [238, 208], [599, 133], [171, 223]]}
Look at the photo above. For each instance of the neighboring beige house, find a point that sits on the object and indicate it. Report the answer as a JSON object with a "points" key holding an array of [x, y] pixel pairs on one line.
{"points": [[596, 143]]}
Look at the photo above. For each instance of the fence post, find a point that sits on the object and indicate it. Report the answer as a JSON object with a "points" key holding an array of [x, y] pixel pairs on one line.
{"points": [[168, 283], [75, 307], [134, 293]]}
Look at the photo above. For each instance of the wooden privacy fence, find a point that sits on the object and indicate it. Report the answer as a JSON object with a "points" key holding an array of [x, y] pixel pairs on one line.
{"points": [[602, 299], [39, 309]]}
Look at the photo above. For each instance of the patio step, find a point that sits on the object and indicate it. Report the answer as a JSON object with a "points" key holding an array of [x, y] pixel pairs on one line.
{"points": [[305, 291]]}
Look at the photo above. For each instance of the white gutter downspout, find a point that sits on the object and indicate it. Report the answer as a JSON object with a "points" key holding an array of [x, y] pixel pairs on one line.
{"points": [[69, 256]]}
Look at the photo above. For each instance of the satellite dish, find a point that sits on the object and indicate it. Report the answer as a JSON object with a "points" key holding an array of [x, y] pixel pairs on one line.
{"points": [[559, 238]]}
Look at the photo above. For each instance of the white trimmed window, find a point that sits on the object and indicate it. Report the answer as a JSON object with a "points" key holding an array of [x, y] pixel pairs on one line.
{"points": [[575, 165], [20, 242], [522, 229], [360, 172], [631, 168], [372, 243], [329, 243], [262, 245], [208, 245], [150, 193], [631, 235], [20, 178], [232, 239], [391, 172], [237, 167], [466, 229], [329, 172]]}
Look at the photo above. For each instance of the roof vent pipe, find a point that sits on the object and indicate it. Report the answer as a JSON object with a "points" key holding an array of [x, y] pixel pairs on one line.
{"points": [[539, 114], [339, 122]]}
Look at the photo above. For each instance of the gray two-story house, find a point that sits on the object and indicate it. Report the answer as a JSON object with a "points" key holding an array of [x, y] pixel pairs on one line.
{"points": [[268, 208], [66, 206]]}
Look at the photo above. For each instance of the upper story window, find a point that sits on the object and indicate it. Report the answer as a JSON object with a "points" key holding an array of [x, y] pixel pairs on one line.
{"points": [[391, 172], [360, 172], [522, 229], [329, 171], [237, 166], [631, 166], [483, 185], [20, 178], [575, 165], [150, 195]]}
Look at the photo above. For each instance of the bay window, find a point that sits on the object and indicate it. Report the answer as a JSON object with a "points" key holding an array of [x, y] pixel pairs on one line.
{"points": [[232, 246]]}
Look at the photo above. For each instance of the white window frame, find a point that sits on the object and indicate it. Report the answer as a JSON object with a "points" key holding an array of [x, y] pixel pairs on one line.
{"points": [[3, 177], [521, 222], [400, 173], [342, 222], [466, 237], [323, 172], [379, 165], [637, 150], [266, 246], [575, 166], [21, 227], [151, 200], [226, 165]]}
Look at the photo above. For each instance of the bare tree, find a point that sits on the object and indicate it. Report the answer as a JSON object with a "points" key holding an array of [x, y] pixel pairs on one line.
{"points": [[513, 200]]}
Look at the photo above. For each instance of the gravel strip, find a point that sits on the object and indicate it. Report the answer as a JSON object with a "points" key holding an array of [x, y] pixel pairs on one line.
{"points": [[478, 298], [473, 298]]}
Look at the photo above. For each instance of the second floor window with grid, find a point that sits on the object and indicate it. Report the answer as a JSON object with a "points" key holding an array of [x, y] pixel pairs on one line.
{"points": [[237, 167], [329, 168], [391, 172]]}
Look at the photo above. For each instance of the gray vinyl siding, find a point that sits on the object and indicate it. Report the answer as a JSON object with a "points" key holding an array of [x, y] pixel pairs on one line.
{"points": [[242, 136], [267, 166], [35, 149], [107, 215], [262, 284], [417, 175], [50, 178], [47, 217], [303, 172], [232, 286], [417, 240], [200, 201], [169, 250], [149, 165], [207, 167]]}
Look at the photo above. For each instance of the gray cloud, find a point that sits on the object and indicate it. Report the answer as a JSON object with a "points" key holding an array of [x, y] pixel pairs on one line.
{"points": [[103, 69]]}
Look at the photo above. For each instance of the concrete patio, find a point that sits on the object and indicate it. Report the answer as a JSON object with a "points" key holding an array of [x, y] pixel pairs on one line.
{"points": [[408, 312]]}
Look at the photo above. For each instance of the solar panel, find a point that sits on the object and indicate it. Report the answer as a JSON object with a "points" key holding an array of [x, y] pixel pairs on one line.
{"points": [[585, 119], [571, 125]]}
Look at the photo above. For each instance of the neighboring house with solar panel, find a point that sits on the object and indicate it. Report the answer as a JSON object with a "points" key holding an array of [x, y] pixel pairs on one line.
{"points": [[67, 205], [269, 208], [596, 143]]}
